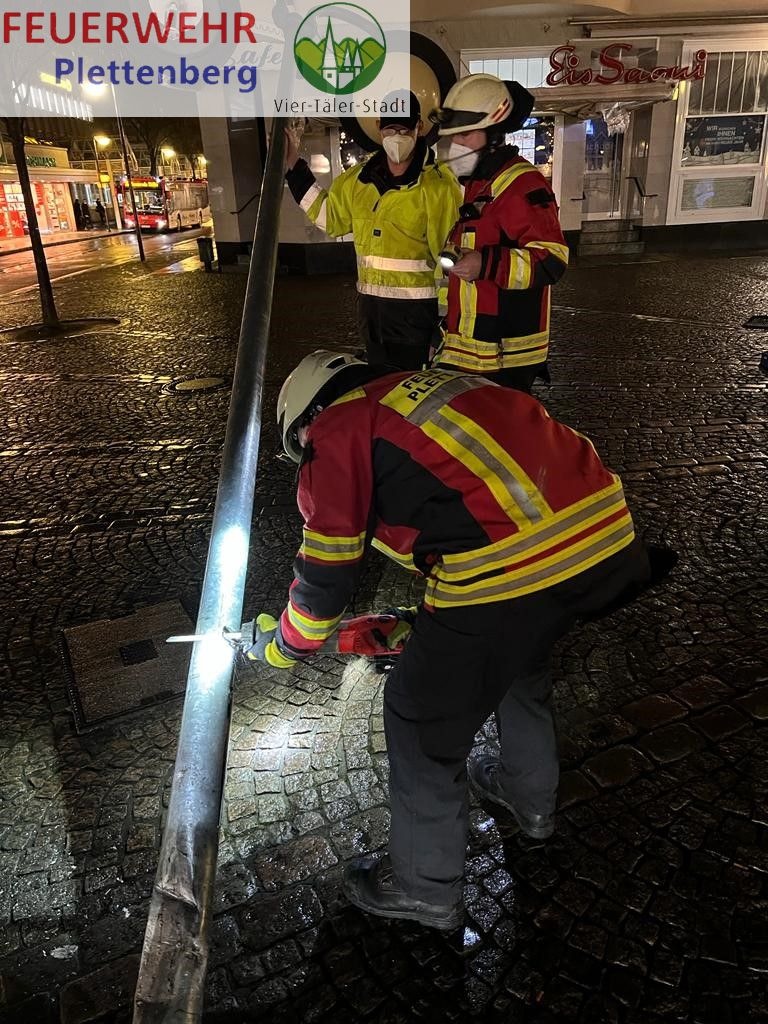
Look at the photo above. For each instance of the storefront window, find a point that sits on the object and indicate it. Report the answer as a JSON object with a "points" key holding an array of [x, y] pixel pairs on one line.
{"points": [[722, 140], [536, 142], [734, 82], [716, 193], [530, 72]]}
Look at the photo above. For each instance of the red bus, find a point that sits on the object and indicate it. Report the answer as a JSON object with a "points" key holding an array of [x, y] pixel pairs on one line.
{"points": [[165, 204]]}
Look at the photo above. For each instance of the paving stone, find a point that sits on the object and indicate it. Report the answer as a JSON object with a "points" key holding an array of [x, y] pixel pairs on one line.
{"points": [[574, 788], [617, 766], [671, 743], [651, 712], [719, 722], [755, 703], [269, 918], [702, 692], [104, 991], [294, 862]]}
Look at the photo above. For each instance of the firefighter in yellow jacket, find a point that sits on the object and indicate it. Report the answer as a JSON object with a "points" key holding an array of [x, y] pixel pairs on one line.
{"points": [[508, 237], [399, 206]]}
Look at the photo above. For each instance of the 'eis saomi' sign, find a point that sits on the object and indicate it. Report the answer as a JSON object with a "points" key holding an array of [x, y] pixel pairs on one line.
{"points": [[567, 69]]}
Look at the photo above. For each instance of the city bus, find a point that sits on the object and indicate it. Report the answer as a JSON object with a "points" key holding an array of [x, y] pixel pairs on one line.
{"points": [[164, 204]]}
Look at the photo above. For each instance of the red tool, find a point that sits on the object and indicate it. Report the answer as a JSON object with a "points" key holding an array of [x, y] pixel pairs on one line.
{"points": [[367, 636]]}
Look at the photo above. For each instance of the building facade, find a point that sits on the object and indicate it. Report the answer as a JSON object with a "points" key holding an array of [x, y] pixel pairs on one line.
{"points": [[55, 186]]}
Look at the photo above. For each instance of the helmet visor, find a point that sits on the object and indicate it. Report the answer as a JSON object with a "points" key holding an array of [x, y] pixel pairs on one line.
{"points": [[446, 117]]}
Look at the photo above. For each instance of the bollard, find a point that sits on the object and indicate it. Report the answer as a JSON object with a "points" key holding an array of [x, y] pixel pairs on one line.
{"points": [[205, 252]]}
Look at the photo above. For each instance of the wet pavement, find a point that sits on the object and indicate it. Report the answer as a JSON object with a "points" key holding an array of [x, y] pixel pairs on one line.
{"points": [[649, 903]]}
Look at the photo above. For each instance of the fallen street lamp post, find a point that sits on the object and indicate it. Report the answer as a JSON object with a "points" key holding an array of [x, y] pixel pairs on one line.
{"points": [[175, 953]]}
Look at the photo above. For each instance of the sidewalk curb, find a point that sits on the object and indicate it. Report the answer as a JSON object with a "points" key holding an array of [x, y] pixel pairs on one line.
{"points": [[68, 241]]}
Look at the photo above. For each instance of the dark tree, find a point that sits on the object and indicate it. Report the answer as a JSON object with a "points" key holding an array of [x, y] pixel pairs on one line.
{"points": [[153, 132], [186, 139], [14, 128]]}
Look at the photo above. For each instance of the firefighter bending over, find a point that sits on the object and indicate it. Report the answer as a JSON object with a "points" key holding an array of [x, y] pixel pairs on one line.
{"points": [[518, 528]]}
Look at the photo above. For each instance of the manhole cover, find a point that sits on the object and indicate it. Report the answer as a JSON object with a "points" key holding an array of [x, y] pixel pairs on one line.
{"points": [[757, 323], [200, 384], [114, 666]]}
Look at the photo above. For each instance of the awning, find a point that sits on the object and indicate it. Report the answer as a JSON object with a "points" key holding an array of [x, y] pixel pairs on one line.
{"points": [[583, 101]]}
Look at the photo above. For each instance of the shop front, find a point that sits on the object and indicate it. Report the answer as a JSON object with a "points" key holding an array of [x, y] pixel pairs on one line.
{"points": [[656, 130], [55, 185]]}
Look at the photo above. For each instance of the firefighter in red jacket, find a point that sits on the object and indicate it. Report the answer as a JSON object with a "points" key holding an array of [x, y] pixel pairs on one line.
{"points": [[518, 529], [508, 238]]}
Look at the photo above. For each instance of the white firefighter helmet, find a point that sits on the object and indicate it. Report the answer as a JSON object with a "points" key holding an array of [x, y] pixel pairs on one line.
{"points": [[300, 390], [474, 102]]}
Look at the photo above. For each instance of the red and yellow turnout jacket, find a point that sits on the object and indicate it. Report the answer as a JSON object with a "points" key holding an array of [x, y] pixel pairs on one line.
{"points": [[470, 484]]}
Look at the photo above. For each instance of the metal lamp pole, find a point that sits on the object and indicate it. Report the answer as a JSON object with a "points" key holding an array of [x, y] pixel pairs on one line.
{"points": [[124, 147], [98, 173]]}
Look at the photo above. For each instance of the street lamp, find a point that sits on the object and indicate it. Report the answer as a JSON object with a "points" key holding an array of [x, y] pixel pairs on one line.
{"points": [[97, 91], [104, 141]]}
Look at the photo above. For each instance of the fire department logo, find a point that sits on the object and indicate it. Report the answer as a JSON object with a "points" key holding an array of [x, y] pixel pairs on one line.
{"points": [[339, 48]]}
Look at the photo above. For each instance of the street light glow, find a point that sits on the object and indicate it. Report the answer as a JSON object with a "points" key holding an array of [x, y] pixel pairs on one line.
{"points": [[167, 153], [93, 89], [102, 140]]}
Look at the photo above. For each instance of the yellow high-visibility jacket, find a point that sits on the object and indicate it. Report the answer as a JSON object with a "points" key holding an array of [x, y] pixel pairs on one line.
{"points": [[399, 226]]}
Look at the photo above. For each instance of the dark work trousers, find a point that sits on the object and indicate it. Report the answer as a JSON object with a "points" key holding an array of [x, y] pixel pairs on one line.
{"points": [[460, 665], [398, 332], [520, 378]]}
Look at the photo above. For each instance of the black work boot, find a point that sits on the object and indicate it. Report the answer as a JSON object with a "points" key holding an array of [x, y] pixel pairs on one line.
{"points": [[486, 779], [371, 884]]}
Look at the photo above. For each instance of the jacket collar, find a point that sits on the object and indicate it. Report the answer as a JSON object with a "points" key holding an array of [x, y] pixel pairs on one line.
{"points": [[491, 163], [376, 169]]}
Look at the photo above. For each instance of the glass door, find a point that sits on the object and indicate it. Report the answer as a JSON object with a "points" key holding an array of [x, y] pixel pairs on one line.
{"points": [[603, 178]]}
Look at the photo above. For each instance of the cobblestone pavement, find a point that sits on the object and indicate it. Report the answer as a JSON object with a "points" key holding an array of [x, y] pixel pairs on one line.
{"points": [[649, 904]]}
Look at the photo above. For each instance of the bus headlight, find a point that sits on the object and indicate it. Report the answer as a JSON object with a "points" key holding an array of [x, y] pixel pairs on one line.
{"points": [[162, 224]]}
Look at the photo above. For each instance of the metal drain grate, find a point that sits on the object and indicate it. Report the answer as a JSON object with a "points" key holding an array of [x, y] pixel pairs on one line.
{"points": [[115, 666]]}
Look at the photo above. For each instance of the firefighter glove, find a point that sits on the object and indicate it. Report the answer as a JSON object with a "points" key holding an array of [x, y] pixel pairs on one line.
{"points": [[406, 618], [263, 646]]}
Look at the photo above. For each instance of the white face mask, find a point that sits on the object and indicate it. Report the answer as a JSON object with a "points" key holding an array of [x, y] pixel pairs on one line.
{"points": [[398, 147], [462, 159]]}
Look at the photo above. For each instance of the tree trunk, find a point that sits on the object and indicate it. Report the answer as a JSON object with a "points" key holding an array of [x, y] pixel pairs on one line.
{"points": [[152, 162], [15, 127]]}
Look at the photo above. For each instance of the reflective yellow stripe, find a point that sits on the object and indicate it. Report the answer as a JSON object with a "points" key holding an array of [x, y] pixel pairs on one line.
{"points": [[559, 526], [275, 657], [536, 577], [390, 263], [311, 629], [351, 396], [313, 203], [467, 292], [332, 549], [506, 178], [391, 291], [529, 501], [420, 395], [520, 269], [556, 248], [488, 356], [406, 560]]}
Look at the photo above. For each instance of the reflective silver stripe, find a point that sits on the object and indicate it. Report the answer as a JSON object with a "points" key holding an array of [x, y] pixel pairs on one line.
{"points": [[478, 449], [333, 549], [388, 263], [456, 384], [309, 197], [478, 560], [388, 291], [507, 584]]}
